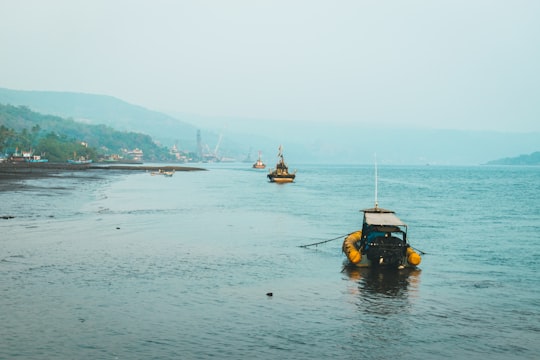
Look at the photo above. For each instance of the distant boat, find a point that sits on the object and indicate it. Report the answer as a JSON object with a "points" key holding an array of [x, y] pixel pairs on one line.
{"points": [[36, 159], [247, 159], [81, 160], [281, 173], [259, 164], [163, 172], [116, 159], [26, 156]]}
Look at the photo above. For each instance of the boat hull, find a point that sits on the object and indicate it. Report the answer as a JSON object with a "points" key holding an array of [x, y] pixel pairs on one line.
{"points": [[281, 179], [80, 162], [365, 262]]}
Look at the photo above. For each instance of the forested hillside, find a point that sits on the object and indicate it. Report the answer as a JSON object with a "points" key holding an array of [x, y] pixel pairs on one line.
{"points": [[58, 137], [107, 110]]}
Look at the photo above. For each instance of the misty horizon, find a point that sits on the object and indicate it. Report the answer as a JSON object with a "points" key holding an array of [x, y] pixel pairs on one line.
{"points": [[459, 65]]}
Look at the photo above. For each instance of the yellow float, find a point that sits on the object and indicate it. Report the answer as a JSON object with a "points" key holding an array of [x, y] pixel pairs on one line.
{"points": [[349, 247], [413, 258]]}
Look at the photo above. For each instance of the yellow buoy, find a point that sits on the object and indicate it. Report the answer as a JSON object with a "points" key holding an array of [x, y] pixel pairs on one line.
{"points": [[412, 257], [350, 250]]}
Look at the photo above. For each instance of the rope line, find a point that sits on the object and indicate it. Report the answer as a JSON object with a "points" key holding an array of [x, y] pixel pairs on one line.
{"points": [[325, 241], [344, 236], [420, 251]]}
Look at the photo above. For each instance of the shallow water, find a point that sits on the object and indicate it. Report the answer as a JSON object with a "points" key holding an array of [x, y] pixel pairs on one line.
{"points": [[123, 266]]}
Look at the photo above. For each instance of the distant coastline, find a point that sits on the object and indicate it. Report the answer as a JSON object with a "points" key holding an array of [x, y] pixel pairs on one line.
{"points": [[102, 120], [531, 159]]}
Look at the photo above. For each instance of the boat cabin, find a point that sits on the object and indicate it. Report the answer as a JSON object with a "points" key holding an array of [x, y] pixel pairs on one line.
{"points": [[384, 236], [380, 222]]}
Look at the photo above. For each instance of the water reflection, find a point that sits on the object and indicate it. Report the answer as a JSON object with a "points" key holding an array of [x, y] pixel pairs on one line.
{"points": [[389, 282], [383, 291]]}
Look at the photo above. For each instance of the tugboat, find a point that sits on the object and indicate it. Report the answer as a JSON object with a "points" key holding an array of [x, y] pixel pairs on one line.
{"points": [[381, 242], [281, 173], [259, 164]]}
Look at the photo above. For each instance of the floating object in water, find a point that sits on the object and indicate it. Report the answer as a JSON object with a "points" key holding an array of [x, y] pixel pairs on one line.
{"points": [[350, 249], [259, 163], [281, 173], [381, 242]]}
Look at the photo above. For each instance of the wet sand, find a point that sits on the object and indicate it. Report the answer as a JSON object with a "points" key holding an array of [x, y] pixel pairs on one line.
{"points": [[43, 168], [10, 173], [144, 168]]}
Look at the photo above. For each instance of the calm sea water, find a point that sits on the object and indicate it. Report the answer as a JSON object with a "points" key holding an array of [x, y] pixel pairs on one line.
{"points": [[132, 266]]}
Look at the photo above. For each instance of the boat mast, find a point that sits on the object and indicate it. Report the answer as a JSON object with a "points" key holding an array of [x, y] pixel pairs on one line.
{"points": [[376, 184]]}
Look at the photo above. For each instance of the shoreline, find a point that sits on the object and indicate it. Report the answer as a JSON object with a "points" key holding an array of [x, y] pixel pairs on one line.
{"points": [[144, 167], [92, 166], [32, 170]]}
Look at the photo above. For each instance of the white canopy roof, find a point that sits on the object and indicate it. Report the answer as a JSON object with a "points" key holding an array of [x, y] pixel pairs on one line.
{"points": [[381, 217]]}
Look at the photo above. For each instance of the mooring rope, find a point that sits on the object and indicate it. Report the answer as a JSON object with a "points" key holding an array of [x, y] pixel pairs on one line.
{"points": [[344, 236], [420, 251], [325, 241]]}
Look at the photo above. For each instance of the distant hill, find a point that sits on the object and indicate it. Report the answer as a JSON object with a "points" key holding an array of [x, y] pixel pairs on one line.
{"points": [[358, 143], [25, 129], [106, 110], [531, 159], [120, 115], [303, 142]]}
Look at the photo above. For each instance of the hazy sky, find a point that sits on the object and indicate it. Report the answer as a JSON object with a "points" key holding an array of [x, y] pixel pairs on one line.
{"points": [[465, 64]]}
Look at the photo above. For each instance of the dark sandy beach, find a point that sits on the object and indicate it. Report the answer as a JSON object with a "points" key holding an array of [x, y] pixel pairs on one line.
{"points": [[43, 168], [12, 173]]}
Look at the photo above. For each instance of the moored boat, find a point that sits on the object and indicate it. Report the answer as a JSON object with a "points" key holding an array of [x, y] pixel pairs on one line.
{"points": [[281, 173], [163, 172], [382, 241], [80, 161], [26, 156], [37, 159], [259, 163]]}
